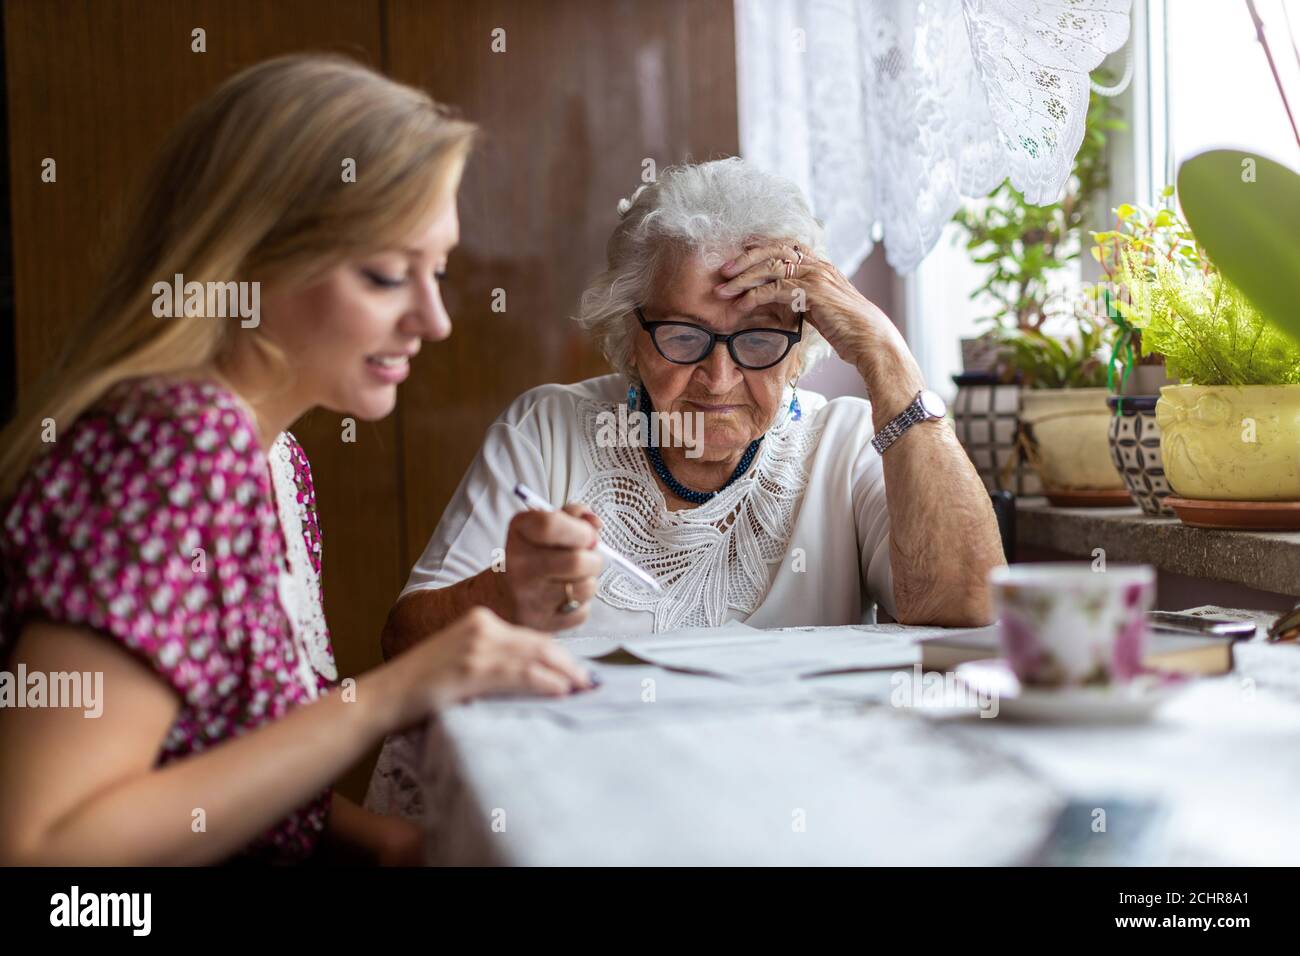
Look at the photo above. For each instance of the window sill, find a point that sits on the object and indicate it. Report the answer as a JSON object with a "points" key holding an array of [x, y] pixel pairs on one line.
{"points": [[1264, 560]]}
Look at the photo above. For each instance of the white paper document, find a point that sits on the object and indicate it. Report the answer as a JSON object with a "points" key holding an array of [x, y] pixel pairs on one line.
{"points": [[692, 673], [638, 692], [745, 654]]}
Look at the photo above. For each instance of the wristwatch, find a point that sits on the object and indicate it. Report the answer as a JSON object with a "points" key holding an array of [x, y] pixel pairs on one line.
{"points": [[925, 407]]}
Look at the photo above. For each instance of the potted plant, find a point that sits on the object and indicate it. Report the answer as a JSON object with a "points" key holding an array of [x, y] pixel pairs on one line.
{"points": [[1135, 374], [1230, 430], [1233, 431], [1025, 248], [1063, 416]]}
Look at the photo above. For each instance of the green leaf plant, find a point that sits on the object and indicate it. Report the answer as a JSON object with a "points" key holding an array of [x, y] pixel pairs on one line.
{"points": [[1245, 209], [1165, 294]]}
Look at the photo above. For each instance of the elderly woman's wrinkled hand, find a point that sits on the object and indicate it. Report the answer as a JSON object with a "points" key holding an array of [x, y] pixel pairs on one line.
{"points": [[784, 273], [551, 567]]}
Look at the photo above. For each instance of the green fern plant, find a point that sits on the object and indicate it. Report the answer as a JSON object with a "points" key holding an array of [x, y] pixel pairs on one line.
{"points": [[1207, 330], [1166, 297]]}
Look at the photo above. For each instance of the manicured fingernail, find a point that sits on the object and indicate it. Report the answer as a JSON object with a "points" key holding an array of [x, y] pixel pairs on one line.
{"points": [[721, 289], [728, 264]]}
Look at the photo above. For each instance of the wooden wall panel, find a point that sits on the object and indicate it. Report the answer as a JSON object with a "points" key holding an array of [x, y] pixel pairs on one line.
{"points": [[583, 94]]}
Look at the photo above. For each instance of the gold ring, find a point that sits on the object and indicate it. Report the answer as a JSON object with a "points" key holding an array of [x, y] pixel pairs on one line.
{"points": [[789, 268]]}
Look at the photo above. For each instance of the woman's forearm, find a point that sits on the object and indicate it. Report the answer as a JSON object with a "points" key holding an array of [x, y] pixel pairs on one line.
{"points": [[207, 807], [422, 613], [943, 532]]}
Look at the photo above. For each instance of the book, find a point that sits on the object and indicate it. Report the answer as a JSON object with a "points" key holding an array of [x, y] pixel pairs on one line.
{"points": [[1195, 654]]}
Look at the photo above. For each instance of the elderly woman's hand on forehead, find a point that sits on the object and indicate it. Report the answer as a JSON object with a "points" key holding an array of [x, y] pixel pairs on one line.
{"points": [[782, 272]]}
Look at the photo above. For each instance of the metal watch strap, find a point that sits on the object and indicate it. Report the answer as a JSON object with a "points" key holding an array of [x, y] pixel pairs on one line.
{"points": [[901, 422]]}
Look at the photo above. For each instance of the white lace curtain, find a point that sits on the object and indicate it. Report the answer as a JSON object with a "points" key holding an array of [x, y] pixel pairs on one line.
{"points": [[888, 112]]}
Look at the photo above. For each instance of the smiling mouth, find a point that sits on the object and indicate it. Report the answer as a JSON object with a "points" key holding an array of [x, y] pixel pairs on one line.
{"points": [[389, 369]]}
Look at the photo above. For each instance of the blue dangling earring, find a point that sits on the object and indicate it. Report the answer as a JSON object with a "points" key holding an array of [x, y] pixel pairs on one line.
{"points": [[632, 395], [796, 412]]}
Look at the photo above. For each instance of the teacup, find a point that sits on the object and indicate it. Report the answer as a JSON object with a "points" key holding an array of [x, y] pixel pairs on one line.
{"points": [[1068, 624]]}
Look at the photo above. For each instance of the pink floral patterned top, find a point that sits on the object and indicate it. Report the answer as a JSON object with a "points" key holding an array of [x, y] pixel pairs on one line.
{"points": [[154, 521]]}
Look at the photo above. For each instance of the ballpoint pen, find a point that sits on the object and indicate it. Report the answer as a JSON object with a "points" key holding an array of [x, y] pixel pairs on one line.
{"points": [[530, 499]]}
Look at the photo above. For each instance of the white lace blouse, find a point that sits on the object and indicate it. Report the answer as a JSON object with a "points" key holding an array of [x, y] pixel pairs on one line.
{"points": [[802, 538]]}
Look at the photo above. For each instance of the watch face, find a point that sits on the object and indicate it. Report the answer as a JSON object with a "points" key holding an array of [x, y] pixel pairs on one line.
{"points": [[934, 405]]}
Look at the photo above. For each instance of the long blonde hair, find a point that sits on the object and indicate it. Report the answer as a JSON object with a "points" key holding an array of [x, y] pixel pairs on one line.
{"points": [[251, 186]]}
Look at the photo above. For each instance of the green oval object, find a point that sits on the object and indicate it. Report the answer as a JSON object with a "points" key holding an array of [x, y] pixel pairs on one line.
{"points": [[1245, 210]]}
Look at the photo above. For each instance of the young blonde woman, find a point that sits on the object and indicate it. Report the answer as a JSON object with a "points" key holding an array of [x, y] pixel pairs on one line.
{"points": [[167, 537]]}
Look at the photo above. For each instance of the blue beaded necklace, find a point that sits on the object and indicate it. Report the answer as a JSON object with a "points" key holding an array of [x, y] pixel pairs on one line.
{"points": [[666, 476]]}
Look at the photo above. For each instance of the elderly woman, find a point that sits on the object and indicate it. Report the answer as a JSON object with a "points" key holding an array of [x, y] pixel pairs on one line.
{"points": [[780, 508]]}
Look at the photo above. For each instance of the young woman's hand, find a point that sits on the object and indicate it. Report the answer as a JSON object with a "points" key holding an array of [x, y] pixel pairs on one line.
{"points": [[479, 654]]}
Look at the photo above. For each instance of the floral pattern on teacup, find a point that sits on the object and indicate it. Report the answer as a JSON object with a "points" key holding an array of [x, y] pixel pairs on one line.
{"points": [[1075, 631]]}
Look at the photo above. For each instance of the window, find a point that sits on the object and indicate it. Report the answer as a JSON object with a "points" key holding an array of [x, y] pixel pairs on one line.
{"points": [[1218, 88], [1200, 80]]}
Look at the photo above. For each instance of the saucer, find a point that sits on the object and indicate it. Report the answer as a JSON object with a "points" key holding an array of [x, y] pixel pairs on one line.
{"points": [[1252, 515], [1129, 703], [1089, 498]]}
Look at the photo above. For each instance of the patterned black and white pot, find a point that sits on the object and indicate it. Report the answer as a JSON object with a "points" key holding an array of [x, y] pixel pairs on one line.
{"points": [[986, 417], [1135, 450]]}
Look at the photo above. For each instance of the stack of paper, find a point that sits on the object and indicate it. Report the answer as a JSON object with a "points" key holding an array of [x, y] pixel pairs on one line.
{"points": [[690, 672], [745, 654]]}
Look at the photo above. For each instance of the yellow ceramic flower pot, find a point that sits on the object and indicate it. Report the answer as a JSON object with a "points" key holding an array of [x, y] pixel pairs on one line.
{"points": [[1227, 443], [1071, 429]]}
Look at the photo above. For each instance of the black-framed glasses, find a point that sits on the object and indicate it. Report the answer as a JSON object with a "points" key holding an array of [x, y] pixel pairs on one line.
{"points": [[684, 343]]}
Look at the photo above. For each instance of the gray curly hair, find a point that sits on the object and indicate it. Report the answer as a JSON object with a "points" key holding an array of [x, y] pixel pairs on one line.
{"points": [[698, 210]]}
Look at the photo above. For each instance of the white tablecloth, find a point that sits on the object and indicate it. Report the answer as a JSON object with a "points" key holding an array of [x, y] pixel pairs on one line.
{"points": [[843, 777]]}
